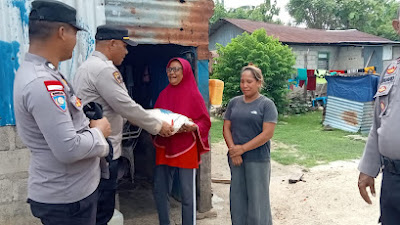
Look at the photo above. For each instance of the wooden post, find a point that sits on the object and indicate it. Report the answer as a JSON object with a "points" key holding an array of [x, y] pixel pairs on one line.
{"points": [[204, 203], [305, 66]]}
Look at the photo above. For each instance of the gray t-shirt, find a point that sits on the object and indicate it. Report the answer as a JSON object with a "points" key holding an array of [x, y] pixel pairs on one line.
{"points": [[247, 122]]}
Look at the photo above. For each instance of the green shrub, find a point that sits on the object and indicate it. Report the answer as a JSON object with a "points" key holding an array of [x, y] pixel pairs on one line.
{"points": [[274, 59]]}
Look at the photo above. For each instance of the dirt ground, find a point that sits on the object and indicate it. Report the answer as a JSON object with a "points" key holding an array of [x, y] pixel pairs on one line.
{"points": [[327, 196]]}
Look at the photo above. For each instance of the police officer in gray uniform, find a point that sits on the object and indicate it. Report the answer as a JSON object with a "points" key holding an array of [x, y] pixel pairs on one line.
{"points": [[64, 171], [98, 80], [382, 149]]}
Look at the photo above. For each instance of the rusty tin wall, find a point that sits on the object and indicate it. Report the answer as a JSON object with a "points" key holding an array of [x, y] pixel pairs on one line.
{"points": [[181, 22], [349, 115]]}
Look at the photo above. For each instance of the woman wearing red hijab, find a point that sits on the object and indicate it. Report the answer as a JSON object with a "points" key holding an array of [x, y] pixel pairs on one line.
{"points": [[181, 152]]}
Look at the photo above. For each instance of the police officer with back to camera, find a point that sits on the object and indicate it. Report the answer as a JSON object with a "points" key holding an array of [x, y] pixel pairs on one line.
{"points": [[98, 80], [64, 171], [382, 149]]}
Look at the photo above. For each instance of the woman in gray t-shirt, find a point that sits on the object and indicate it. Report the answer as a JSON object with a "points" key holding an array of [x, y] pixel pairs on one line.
{"points": [[249, 124]]}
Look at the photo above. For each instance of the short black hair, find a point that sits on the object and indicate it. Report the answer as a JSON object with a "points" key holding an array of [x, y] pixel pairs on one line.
{"points": [[41, 30]]}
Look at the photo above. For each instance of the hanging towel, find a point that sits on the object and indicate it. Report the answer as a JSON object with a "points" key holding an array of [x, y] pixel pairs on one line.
{"points": [[302, 74], [320, 74], [311, 80]]}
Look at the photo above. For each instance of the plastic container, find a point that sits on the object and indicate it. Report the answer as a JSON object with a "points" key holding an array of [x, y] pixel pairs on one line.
{"points": [[117, 219], [216, 90]]}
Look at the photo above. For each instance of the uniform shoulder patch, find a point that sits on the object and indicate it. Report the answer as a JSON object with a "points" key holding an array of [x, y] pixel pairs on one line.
{"points": [[118, 77], [78, 102], [53, 85], [59, 99], [391, 70], [382, 89]]}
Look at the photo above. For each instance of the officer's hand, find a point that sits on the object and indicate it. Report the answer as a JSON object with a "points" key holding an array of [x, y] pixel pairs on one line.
{"points": [[166, 129], [103, 125], [365, 181]]}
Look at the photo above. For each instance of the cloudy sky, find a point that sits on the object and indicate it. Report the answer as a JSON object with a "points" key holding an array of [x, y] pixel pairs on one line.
{"points": [[283, 15]]}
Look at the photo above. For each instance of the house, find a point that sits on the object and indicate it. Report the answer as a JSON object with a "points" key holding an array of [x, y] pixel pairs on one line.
{"points": [[314, 48], [163, 29]]}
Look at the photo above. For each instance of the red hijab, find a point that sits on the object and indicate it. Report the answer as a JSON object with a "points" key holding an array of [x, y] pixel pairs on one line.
{"points": [[185, 99]]}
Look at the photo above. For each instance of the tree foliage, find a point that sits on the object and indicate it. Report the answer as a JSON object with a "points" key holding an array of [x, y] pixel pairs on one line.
{"points": [[370, 16], [263, 12], [274, 59]]}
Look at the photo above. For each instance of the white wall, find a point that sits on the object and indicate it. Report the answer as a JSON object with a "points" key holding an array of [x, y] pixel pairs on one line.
{"points": [[340, 58], [395, 53], [350, 58]]}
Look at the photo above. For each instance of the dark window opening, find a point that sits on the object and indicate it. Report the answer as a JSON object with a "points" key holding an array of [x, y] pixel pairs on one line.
{"points": [[323, 61], [143, 71]]}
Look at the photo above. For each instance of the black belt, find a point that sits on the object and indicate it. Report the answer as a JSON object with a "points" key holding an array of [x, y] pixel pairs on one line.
{"points": [[391, 165]]}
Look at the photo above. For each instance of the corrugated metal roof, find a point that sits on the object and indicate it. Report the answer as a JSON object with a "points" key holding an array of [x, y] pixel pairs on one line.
{"points": [[288, 34], [349, 115], [182, 22]]}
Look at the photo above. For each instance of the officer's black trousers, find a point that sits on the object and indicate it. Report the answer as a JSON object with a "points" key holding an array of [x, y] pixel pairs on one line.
{"points": [[82, 212], [107, 190], [390, 198]]}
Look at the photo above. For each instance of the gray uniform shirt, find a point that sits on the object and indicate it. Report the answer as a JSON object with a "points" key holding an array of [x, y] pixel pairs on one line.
{"points": [[383, 139], [98, 80], [247, 122], [64, 165]]}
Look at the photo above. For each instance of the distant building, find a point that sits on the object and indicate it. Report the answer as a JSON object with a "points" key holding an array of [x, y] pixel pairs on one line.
{"points": [[314, 48]]}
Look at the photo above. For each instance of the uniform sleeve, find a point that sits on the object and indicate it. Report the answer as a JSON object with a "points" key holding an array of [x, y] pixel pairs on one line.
{"points": [[118, 98], [270, 112], [56, 125], [370, 162]]}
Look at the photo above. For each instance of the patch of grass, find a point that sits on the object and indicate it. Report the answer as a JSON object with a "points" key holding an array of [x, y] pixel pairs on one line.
{"points": [[309, 145], [216, 130]]}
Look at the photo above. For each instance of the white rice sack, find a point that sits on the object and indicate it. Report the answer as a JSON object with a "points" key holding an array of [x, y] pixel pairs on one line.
{"points": [[175, 119]]}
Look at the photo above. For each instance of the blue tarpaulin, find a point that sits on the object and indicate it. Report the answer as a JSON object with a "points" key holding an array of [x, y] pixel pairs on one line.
{"points": [[8, 66], [360, 89]]}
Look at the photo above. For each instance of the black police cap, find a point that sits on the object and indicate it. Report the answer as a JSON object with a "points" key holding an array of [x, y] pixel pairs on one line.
{"points": [[54, 11], [107, 32]]}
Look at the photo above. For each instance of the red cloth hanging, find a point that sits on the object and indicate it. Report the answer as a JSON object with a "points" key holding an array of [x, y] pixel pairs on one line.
{"points": [[337, 71], [311, 80]]}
